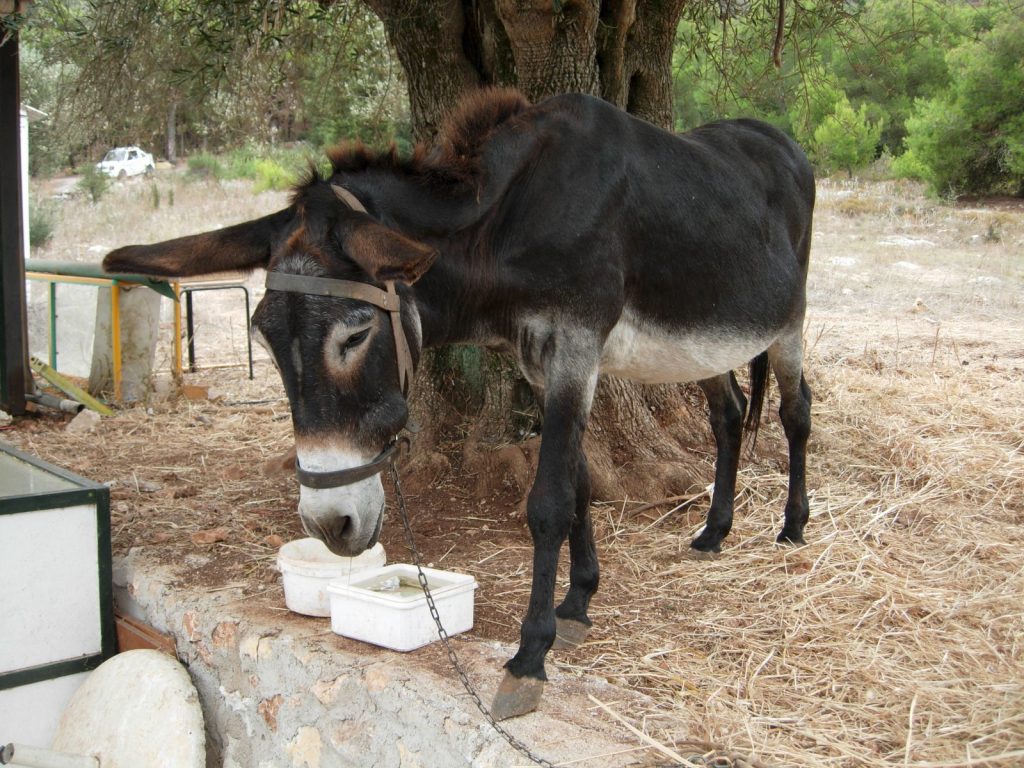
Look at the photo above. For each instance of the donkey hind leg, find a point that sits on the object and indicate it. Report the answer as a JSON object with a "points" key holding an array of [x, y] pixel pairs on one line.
{"points": [[786, 357], [571, 621], [727, 406], [551, 509]]}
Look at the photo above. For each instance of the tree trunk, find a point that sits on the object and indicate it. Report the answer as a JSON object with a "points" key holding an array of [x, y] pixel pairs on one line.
{"points": [[172, 133], [427, 36], [554, 52], [620, 50]]}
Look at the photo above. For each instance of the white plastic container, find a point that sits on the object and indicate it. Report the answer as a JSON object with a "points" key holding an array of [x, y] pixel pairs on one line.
{"points": [[307, 566], [399, 619]]}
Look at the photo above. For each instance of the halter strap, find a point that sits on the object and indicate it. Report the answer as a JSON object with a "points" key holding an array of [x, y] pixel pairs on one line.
{"points": [[341, 289], [342, 477], [389, 301], [348, 289]]}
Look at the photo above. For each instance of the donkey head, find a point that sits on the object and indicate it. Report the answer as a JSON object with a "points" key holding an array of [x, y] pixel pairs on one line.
{"points": [[336, 328]]}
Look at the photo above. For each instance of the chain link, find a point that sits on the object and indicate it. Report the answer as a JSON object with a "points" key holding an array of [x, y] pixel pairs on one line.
{"points": [[443, 635]]}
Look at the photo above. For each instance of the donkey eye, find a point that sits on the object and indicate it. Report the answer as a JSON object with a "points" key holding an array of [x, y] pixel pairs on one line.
{"points": [[354, 341]]}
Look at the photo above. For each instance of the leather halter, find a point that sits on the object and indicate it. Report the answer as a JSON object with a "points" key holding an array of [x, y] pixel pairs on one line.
{"points": [[347, 289], [341, 477], [389, 301]]}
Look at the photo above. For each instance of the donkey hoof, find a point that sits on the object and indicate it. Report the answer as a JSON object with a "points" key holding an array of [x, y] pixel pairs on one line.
{"points": [[516, 696], [700, 554], [796, 539], [705, 548], [706, 544], [569, 633]]}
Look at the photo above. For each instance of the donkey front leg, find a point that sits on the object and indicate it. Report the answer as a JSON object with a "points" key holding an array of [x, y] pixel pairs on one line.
{"points": [[551, 509]]}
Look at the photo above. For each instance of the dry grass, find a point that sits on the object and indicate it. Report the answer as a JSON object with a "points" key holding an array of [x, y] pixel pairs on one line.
{"points": [[895, 638], [128, 213]]}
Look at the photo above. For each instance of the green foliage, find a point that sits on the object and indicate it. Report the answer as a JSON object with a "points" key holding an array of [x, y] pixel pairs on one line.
{"points": [[42, 221], [270, 174], [909, 166], [814, 103], [935, 84], [970, 137], [268, 168], [941, 79], [896, 54], [724, 64], [845, 139], [223, 72], [94, 183], [10, 24], [205, 167], [241, 163]]}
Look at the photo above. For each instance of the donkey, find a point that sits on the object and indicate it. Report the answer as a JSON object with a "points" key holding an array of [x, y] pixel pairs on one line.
{"points": [[572, 236]]}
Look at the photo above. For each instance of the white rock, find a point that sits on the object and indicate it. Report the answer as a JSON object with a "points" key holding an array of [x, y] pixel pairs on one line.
{"points": [[84, 422], [905, 242], [909, 266]]}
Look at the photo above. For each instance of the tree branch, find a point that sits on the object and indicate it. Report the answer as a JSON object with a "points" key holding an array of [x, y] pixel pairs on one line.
{"points": [[780, 27]]}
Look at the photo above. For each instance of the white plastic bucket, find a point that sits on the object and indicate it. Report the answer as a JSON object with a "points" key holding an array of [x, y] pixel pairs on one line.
{"points": [[307, 567], [399, 619]]}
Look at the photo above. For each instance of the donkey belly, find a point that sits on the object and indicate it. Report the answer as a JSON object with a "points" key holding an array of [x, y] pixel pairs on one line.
{"points": [[653, 355]]}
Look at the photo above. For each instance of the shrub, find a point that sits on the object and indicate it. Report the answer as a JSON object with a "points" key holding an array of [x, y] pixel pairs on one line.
{"points": [[242, 164], [41, 224], [846, 139], [94, 183], [205, 166], [270, 174], [909, 166], [971, 137]]}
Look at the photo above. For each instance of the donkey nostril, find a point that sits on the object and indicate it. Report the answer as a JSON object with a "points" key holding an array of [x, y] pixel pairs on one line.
{"points": [[337, 536]]}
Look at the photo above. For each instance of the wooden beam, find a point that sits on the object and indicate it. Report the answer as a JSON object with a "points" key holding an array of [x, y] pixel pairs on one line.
{"points": [[15, 374]]}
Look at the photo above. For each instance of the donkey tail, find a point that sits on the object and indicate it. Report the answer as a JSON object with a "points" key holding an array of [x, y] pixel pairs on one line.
{"points": [[758, 373]]}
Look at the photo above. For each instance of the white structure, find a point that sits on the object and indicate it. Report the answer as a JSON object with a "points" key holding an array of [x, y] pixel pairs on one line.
{"points": [[55, 577], [28, 115]]}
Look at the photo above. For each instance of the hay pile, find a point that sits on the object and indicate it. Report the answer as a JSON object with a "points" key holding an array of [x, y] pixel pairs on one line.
{"points": [[896, 637]]}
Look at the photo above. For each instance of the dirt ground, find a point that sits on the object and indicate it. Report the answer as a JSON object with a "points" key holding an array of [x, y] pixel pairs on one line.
{"points": [[893, 638]]}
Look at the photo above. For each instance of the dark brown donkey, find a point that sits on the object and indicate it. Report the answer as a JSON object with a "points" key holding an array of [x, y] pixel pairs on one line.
{"points": [[568, 234]]}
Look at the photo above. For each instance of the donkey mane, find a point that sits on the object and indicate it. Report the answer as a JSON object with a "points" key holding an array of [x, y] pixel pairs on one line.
{"points": [[455, 157], [470, 126]]}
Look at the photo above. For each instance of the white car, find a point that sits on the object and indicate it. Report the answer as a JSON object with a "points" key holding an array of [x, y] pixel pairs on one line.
{"points": [[126, 161]]}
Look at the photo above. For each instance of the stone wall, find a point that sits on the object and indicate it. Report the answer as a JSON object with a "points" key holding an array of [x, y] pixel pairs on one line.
{"points": [[281, 690]]}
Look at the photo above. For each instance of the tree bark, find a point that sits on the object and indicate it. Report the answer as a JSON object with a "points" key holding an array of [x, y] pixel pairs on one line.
{"points": [[171, 145], [620, 50], [427, 36], [554, 45]]}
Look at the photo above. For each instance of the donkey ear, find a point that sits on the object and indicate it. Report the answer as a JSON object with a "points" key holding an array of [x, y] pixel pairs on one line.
{"points": [[243, 246], [385, 254]]}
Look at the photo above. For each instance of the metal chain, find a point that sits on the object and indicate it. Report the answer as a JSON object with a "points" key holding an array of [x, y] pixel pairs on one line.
{"points": [[441, 633]]}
